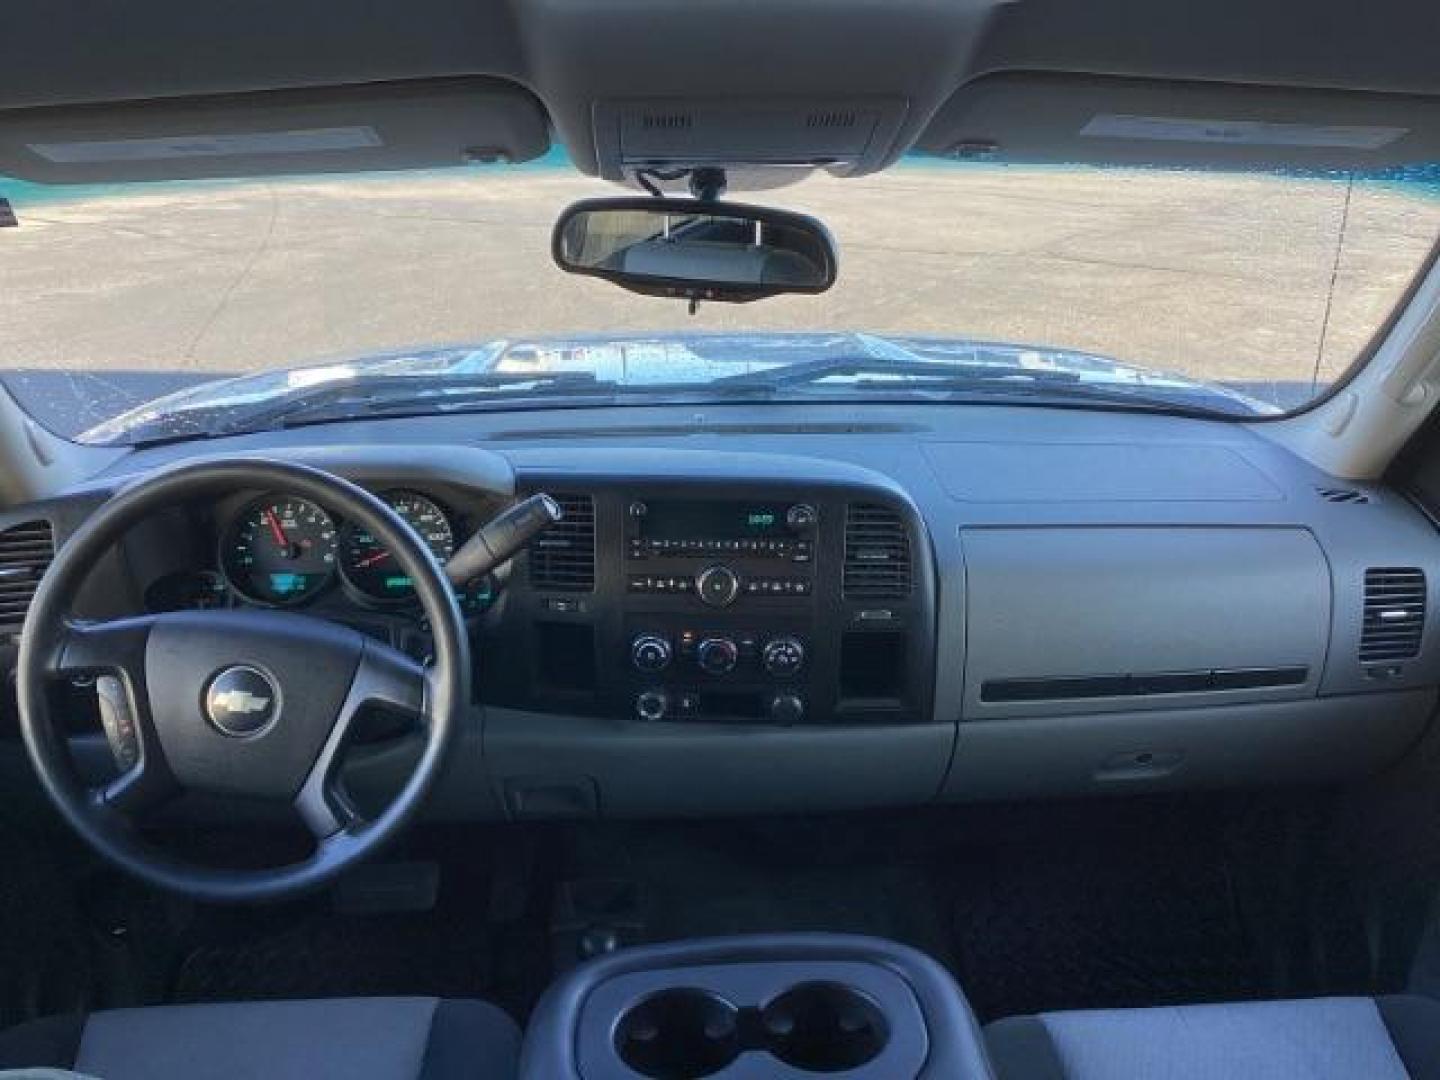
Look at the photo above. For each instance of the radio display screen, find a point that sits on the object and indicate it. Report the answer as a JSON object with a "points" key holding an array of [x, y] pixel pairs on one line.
{"points": [[684, 519]]}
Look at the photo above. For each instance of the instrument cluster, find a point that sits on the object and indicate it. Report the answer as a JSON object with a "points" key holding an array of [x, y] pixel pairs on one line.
{"points": [[281, 550]]}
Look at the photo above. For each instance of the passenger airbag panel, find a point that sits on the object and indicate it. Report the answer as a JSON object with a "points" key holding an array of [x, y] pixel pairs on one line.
{"points": [[1065, 619]]}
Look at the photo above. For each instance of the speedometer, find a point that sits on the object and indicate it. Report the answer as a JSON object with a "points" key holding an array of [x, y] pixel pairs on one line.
{"points": [[371, 568], [279, 550]]}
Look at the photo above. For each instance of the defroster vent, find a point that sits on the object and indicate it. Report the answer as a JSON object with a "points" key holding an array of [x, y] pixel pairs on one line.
{"points": [[563, 557], [877, 553], [1394, 614], [25, 554]]}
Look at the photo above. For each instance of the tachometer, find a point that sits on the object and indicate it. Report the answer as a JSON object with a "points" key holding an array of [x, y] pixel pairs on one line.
{"points": [[372, 569], [280, 550]]}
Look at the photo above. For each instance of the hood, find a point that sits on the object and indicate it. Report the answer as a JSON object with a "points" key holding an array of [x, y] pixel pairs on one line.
{"points": [[655, 359]]}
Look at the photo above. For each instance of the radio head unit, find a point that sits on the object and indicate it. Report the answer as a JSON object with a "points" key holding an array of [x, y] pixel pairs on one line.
{"points": [[695, 528]]}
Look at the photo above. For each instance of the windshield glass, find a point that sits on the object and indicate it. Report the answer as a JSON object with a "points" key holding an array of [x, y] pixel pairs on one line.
{"points": [[1218, 293]]}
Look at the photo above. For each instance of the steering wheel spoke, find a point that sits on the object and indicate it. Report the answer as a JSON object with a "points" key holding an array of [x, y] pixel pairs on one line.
{"points": [[91, 648], [144, 786], [386, 679]]}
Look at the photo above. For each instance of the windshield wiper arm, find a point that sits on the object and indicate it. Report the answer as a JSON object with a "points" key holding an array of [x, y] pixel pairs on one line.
{"points": [[942, 378], [379, 392], [813, 371]]}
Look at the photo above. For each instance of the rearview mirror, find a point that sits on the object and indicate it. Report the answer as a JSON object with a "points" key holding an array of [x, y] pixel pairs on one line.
{"points": [[695, 250]]}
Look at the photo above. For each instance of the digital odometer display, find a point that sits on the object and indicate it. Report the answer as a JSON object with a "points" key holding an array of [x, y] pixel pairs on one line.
{"points": [[371, 568], [280, 551]]}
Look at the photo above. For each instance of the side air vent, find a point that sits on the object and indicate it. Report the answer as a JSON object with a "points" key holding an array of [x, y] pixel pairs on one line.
{"points": [[1394, 614], [25, 554], [564, 557], [1342, 495], [877, 553]]}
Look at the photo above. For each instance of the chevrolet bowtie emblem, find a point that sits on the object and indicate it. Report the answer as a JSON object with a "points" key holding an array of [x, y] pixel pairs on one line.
{"points": [[241, 701]]}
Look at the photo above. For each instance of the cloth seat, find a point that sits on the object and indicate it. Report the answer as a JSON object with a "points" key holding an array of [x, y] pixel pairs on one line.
{"points": [[395, 1038], [1350, 1038]]}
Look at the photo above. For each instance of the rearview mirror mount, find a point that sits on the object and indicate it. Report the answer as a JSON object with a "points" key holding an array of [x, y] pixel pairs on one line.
{"points": [[692, 249]]}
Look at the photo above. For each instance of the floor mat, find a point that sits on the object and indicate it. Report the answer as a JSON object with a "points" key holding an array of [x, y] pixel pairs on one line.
{"points": [[1113, 913], [310, 950], [840, 875]]}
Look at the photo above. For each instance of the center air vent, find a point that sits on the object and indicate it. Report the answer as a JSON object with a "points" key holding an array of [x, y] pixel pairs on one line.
{"points": [[877, 553], [1394, 614], [25, 554], [563, 557]]}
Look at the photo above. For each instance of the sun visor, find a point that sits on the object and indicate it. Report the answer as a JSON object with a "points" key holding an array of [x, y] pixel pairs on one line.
{"points": [[384, 126], [1061, 119]]}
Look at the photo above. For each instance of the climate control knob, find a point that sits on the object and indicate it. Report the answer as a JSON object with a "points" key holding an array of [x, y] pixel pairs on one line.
{"points": [[787, 709], [783, 656], [717, 586], [650, 652], [652, 704], [717, 656]]}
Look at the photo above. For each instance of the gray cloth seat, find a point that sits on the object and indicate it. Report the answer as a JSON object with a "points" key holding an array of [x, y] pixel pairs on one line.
{"points": [[397, 1038], [1345, 1038]]}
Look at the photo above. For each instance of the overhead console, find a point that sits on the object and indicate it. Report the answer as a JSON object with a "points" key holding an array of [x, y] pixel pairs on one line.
{"points": [[768, 604]]}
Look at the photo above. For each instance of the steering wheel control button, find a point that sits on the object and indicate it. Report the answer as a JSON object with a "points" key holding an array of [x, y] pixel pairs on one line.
{"points": [[718, 586], [652, 705], [717, 656], [783, 656], [242, 701], [650, 652], [118, 721]]}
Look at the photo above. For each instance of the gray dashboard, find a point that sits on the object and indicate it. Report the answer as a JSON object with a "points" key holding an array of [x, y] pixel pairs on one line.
{"points": [[1120, 603]]}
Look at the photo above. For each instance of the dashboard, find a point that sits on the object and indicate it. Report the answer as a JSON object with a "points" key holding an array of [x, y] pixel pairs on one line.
{"points": [[808, 611]]}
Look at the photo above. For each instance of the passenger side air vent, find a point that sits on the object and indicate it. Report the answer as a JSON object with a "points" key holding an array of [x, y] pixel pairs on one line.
{"points": [[877, 553], [25, 554], [563, 558], [1343, 495], [1394, 614]]}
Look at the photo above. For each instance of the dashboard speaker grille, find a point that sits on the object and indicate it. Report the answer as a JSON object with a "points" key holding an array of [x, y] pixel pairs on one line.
{"points": [[563, 557], [1394, 614], [25, 554], [877, 553]]}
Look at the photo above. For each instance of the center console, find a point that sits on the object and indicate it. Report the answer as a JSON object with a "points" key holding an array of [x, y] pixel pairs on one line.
{"points": [[693, 603], [782, 1007]]}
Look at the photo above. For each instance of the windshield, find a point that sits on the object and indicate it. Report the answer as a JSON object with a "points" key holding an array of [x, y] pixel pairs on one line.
{"points": [[1217, 293]]}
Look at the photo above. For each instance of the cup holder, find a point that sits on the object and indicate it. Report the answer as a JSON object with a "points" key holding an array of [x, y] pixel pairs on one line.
{"points": [[679, 1034], [687, 1033], [825, 1027]]}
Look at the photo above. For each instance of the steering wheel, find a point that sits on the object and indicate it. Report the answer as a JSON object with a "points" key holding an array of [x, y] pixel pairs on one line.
{"points": [[237, 702]]}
